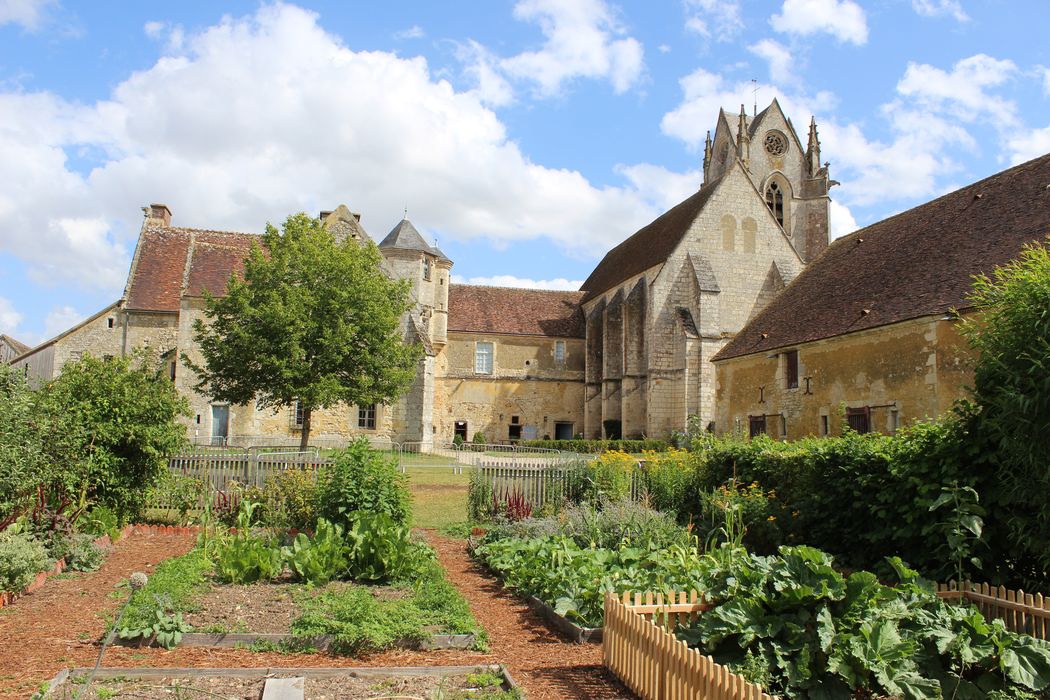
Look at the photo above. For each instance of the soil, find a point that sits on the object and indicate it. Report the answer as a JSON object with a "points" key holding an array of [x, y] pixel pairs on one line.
{"points": [[339, 687], [57, 627]]}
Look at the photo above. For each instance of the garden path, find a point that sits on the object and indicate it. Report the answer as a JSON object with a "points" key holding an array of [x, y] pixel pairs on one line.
{"points": [[58, 626]]}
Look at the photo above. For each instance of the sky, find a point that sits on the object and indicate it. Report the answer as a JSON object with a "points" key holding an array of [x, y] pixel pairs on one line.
{"points": [[526, 137]]}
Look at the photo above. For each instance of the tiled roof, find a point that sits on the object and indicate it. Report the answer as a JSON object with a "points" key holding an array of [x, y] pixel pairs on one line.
{"points": [[914, 264], [164, 255], [649, 246], [475, 309]]}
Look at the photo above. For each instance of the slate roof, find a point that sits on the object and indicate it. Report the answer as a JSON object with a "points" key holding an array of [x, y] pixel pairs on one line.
{"points": [[404, 236], [914, 264], [649, 246], [510, 311], [167, 265]]}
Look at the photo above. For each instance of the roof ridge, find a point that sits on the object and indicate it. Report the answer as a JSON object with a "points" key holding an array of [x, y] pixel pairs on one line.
{"points": [[190, 229], [520, 289]]}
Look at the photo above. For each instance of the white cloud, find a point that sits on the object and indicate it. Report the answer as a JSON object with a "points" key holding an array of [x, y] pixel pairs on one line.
{"points": [[281, 133], [717, 19], [29, 14], [964, 89], [60, 320], [938, 8], [559, 283], [842, 221], [659, 185], [704, 93], [843, 19], [1029, 145], [9, 318], [413, 32], [781, 64], [482, 67], [584, 39], [1046, 78]]}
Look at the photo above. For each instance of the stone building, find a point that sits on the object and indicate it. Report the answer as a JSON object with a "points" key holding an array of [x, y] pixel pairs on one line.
{"points": [[11, 348], [867, 334], [510, 365], [661, 304]]}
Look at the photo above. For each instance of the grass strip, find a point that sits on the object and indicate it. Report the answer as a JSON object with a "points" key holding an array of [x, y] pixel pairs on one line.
{"points": [[173, 586]]}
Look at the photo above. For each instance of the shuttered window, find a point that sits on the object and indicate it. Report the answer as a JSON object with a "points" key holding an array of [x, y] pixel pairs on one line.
{"points": [[756, 425], [791, 369]]}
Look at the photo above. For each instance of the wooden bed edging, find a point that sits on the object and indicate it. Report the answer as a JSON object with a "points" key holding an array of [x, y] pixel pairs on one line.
{"points": [[322, 643], [651, 661], [310, 672]]}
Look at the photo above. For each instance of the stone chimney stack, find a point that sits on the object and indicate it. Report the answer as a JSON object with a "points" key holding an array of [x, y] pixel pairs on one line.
{"points": [[158, 215]]}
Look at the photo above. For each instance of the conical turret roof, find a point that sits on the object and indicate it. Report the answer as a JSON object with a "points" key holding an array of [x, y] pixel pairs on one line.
{"points": [[404, 236]]}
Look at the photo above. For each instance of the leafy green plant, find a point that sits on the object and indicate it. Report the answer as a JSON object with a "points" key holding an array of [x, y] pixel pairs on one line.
{"points": [[100, 521], [820, 634], [21, 558], [243, 557], [378, 548], [165, 629], [962, 526], [360, 479], [84, 554], [479, 497], [290, 499], [172, 586], [320, 558], [174, 496]]}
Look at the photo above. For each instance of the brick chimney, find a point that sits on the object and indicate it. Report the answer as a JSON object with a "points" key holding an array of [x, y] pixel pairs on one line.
{"points": [[158, 215]]}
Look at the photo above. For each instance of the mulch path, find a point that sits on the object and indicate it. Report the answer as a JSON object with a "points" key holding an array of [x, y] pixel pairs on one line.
{"points": [[58, 627]]}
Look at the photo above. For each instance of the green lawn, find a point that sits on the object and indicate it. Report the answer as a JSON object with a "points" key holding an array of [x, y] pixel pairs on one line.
{"points": [[439, 497]]}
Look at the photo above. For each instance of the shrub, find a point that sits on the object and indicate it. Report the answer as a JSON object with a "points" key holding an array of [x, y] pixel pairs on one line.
{"points": [[289, 500], [741, 514], [581, 446], [360, 479], [21, 558], [175, 496], [480, 439], [100, 521], [667, 478], [611, 475], [84, 554], [479, 497]]}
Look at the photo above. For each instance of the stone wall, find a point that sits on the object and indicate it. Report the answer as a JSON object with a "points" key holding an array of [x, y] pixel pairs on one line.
{"points": [[904, 372], [526, 382]]}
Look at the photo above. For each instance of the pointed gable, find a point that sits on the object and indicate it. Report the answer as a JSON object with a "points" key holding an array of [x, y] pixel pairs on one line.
{"points": [[773, 285], [705, 275]]}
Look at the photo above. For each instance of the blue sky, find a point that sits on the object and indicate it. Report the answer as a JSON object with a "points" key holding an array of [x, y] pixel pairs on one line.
{"points": [[526, 137]]}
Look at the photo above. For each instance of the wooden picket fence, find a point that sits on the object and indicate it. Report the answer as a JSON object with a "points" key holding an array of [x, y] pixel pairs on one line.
{"points": [[1024, 613], [640, 648]]}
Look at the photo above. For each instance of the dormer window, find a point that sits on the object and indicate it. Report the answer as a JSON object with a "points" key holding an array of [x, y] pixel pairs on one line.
{"points": [[426, 268], [775, 201]]}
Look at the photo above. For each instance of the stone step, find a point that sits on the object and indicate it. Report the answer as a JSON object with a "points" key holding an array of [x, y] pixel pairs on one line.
{"points": [[284, 688]]}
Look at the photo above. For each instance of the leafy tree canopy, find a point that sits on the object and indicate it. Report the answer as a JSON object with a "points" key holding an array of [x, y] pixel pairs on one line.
{"points": [[313, 319], [1011, 393]]}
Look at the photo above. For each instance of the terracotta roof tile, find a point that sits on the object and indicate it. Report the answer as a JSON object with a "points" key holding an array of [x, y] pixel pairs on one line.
{"points": [[215, 257], [475, 309], [649, 246], [918, 263]]}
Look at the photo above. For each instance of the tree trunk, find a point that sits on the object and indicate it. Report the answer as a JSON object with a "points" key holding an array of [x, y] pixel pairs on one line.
{"points": [[304, 441]]}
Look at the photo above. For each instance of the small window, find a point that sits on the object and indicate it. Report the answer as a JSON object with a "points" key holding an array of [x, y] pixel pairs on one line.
{"points": [[824, 428], [791, 369], [756, 425], [110, 322], [483, 358], [459, 429], [559, 351], [297, 416], [859, 419], [171, 371], [366, 417], [426, 268]]}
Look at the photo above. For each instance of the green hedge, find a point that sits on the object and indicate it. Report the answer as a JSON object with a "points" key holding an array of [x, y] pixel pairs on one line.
{"points": [[599, 446]]}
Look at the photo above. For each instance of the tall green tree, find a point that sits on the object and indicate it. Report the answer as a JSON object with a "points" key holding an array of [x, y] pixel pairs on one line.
{"points": [[313, 320], [1011, 394]]}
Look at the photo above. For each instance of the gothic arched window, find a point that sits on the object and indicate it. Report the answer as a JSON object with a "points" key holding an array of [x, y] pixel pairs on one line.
{"points": [[775, 201]]}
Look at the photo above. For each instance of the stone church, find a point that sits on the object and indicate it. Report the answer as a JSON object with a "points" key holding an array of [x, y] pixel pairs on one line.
{"points": [[629, 354]]}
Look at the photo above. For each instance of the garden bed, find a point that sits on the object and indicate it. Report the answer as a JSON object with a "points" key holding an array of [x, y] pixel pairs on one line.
{"points": [[447, 682]]}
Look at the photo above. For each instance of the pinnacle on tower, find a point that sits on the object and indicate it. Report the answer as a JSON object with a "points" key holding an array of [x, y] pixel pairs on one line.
{"points": [[743, 141], [813, 148], [708, 152]]}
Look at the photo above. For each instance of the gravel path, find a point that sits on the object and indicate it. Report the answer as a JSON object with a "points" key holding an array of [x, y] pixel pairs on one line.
{"points": [[58, 626]]}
